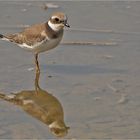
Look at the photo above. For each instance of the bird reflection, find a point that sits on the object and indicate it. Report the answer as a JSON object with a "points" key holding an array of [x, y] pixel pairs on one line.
{"points": [[41, 105]]}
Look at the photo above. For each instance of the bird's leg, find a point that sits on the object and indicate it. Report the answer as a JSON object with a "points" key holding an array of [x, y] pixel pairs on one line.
{"points": [[37, 63], [37, 74]]}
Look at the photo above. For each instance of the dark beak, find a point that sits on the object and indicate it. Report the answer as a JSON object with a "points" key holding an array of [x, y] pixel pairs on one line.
{"points": [[66, 24]]}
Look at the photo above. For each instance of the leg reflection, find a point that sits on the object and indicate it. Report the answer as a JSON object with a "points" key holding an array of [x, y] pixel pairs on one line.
{"points": [[37, 87]]}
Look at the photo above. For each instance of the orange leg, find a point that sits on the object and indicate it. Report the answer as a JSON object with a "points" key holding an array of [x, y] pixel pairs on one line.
{"points": [[37, 63], [37, 73]]}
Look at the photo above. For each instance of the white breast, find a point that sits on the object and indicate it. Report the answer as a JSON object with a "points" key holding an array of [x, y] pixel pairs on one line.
{"points": [[47, 45]]}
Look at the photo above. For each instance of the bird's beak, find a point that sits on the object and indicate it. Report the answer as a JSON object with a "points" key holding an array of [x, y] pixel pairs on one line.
{"points": [[66, 24]]}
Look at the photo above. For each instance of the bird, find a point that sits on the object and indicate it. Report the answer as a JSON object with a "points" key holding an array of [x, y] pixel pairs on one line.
{"points": [[40, 37]]}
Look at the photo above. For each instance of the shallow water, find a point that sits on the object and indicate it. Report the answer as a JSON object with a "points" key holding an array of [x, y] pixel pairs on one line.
{"points": [[97, 85]]}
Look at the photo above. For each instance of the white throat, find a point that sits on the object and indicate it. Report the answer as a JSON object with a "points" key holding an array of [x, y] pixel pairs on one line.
{"points": [[55, 27]]}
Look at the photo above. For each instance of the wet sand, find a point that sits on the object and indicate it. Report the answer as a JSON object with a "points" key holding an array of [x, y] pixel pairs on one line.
{"points": [[97, 85]]}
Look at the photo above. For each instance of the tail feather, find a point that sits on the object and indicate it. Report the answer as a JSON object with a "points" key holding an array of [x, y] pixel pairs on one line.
{"points": [[1, 36]]}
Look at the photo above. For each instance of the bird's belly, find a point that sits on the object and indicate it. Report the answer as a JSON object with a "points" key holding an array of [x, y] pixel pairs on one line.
{"points": [[46, 45]]}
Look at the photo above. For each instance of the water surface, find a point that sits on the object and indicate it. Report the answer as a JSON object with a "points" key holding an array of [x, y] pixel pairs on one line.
{"points": [[97, 85]]}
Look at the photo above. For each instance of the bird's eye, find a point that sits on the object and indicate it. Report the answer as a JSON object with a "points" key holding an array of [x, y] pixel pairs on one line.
{"points": [[57, 19]]}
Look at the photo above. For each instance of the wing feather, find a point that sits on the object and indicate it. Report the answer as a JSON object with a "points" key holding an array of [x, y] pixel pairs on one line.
{"points": [[30, 35]]}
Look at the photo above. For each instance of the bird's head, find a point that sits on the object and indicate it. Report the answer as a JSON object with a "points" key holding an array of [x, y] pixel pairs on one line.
{"points": [[58, 21]]}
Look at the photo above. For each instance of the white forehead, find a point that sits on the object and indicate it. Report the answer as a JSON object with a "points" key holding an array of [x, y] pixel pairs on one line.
{"points": [[60, 17]]}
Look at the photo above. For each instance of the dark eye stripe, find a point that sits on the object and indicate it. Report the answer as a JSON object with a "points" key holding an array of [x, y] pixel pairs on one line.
{"points": [[56, 19], [62, 21]]}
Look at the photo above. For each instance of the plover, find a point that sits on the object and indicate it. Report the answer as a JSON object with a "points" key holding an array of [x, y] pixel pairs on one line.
{"points": [[40, 37]]}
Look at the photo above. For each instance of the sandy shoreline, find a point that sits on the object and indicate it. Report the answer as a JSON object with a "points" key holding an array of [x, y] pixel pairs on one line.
{"points": [[97, 85]]}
